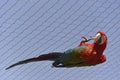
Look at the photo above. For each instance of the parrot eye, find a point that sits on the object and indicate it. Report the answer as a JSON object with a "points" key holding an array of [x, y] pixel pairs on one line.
{"points": [[99, 39]]}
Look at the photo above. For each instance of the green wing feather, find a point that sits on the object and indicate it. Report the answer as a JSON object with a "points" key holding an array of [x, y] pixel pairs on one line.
{"points": [[71, 56]]}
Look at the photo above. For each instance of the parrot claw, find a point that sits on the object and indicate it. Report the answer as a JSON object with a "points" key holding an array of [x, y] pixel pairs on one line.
{"points": [[85, 39], [83, 36]]}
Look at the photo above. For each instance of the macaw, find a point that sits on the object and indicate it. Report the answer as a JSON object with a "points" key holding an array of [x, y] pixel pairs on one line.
{"points": [[85, 54]]}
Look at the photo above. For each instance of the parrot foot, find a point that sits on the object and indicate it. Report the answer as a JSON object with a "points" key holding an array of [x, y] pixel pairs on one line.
{"points": [[57, 64], [85, 39]]}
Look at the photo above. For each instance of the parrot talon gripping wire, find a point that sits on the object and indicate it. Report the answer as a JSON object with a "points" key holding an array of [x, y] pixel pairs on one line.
{"points": [[85, 39]]}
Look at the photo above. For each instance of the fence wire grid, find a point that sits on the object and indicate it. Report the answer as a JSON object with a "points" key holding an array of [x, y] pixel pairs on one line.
{"points": [[29, 28]]}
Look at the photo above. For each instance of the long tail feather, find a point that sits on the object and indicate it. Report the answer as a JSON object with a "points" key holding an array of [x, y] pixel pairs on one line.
{"points": [[50, 56]]}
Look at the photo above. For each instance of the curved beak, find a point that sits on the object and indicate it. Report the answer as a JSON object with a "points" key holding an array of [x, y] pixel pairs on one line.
{"points": [[97, 38]]}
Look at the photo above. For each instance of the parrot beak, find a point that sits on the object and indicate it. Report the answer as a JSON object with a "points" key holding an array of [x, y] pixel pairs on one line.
{"points": [[99, 39]]}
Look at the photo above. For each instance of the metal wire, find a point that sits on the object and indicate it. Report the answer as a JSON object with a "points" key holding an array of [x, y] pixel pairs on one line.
{"points": [[59, 31]]}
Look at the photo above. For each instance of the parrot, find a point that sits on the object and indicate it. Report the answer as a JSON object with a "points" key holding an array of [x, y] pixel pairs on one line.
{"points": [[85, 54]]}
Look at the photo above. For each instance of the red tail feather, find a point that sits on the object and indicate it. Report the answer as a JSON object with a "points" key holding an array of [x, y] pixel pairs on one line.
{"points": [[50, 56]]}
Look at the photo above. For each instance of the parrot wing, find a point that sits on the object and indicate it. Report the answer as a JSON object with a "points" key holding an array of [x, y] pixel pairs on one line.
{"points": [[77, 56]]}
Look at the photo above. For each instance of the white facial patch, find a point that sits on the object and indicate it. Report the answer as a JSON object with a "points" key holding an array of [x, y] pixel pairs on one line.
{"points": [[97, 37]]}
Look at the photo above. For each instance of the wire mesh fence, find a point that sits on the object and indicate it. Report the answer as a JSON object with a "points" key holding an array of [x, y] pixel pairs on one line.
{"points": [[29, 28]]}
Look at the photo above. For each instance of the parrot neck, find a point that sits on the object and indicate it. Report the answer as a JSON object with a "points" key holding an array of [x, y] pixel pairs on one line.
{"points": [[100, 48]]}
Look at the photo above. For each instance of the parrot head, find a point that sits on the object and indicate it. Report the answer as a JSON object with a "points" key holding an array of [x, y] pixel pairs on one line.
{"points": [[100, 41], [100, 38]]}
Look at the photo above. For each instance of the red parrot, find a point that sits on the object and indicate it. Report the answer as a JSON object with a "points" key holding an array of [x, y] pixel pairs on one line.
{"points": [[98, 47], [85, 54]]}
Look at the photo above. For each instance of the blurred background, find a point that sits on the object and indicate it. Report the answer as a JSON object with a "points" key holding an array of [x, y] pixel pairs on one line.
{"points": [[29, 28]]}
